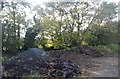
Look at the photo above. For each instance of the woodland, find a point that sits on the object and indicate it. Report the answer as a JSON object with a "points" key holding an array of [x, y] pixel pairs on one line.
{"points": [[64, 30]]}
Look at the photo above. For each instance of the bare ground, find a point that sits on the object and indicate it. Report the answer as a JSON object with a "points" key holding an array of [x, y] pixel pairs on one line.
{"points": [[108, 67], [105, 66]]}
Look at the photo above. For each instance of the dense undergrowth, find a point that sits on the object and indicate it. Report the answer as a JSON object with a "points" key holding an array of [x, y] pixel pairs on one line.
{"points": [[109, 48], [114, 48]]}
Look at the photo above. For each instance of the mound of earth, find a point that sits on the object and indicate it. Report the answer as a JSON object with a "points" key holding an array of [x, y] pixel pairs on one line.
{"points": [[29, 63], [87, 50]]}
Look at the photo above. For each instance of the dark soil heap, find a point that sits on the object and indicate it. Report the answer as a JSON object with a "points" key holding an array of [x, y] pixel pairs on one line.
{"points": [[87, 50], [53, 68], [38, 63], [24, 66]]}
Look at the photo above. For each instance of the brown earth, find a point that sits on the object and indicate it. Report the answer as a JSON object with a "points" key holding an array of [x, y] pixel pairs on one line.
{"points": [[105, 66], [90, 61]]}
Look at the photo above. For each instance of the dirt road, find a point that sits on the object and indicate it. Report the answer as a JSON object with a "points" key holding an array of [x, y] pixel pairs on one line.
{"points": [[108, 67], [105, 66]]}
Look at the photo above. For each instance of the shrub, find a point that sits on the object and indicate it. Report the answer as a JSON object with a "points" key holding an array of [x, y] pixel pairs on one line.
{"points": [[109, 48]]}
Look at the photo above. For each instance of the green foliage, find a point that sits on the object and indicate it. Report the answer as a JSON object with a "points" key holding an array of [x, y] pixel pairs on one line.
{"points": [[3, 59], [43, 42], [114, 47], [87, 39], [60, 25], [13, 18], [109, 48], [102, 35]]}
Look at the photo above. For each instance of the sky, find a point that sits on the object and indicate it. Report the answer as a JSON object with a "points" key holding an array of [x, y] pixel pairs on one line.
{"points": [[41, 1], [35, 2]]}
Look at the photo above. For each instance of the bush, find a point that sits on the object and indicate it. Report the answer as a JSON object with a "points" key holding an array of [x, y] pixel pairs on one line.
{"points": [[109, 48]]}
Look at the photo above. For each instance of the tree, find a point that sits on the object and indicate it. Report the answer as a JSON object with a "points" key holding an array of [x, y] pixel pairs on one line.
{"points": [[71, 23], [13, 20]]}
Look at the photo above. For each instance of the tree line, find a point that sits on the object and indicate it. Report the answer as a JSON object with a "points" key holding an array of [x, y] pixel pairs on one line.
{"points": [[58, 25]]}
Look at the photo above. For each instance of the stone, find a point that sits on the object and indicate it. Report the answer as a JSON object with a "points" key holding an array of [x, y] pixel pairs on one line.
{"points": [[34, 53]]}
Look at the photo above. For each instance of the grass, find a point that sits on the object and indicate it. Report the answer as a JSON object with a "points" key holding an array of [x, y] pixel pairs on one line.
{"points": [[109, 48]]}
